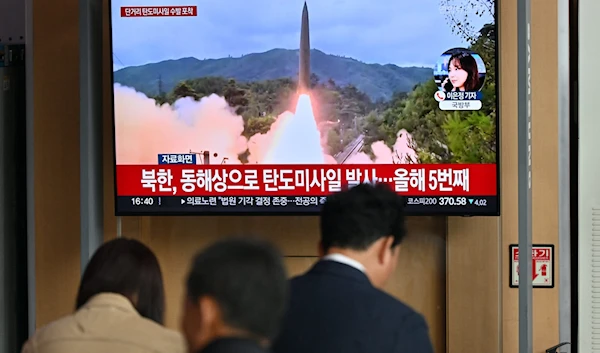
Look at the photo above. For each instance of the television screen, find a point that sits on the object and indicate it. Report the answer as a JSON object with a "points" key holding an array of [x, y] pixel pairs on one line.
{"points": [[268, 106]]}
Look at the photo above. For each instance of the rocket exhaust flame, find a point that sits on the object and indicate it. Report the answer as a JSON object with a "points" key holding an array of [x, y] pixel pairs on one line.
{"points": [[298, 141]]}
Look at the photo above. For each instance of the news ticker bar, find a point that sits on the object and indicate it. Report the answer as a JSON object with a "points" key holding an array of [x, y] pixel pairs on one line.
{"points": [[165, 205], [303, 180]]}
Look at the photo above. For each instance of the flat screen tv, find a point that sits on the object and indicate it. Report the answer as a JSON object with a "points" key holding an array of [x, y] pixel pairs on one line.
{"points": [[268, 106]]}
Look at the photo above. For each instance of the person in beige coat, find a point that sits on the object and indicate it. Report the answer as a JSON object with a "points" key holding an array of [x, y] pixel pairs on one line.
{"points": [[119, 309]]}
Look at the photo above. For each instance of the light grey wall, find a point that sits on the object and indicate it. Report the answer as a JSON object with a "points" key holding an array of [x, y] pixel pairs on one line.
{"points": [[589, 188], [564, 169]]}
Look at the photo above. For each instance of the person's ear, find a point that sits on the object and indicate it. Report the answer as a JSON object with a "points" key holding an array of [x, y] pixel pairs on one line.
{"points": [[385, 249], [209, 311]]}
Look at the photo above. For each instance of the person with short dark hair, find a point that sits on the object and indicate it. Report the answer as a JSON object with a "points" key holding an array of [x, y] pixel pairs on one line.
{"points": [[338, 305], [119, 308], [236, 297]]}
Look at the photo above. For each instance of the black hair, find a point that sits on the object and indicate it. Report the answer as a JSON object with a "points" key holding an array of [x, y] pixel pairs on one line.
{"points": [[357, 217], [465, 61], [247, 278], [127, 267]]}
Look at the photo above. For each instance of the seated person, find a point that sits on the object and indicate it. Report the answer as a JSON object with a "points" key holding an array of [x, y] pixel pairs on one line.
{"points": [[236, 296], [120, 307]]}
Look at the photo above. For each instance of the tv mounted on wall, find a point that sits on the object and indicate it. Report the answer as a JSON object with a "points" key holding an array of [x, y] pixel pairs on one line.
{"points": [[266, 107]]}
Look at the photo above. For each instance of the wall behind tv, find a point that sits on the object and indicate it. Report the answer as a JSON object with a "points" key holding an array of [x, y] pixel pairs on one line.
{"points": [[454, 270]]}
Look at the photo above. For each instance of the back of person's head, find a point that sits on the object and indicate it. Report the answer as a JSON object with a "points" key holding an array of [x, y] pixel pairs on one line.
{"points": [[235, 287], [129, 268], [365, 221]]}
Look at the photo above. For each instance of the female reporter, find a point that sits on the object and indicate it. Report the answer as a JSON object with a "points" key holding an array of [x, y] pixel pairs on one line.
{"points": [[463, 73], [119, 308]]}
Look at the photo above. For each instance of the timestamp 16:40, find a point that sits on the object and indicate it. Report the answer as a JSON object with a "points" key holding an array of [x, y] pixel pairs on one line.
{"points": [[142, 201]]}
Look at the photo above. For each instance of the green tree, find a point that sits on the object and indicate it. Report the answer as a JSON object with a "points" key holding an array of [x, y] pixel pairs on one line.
{"points": [[461, 13], [471, 138], [485, 46], [181, 90], [314, 80], [420, 115], [376, 129], [206, 86], [236, 97], [160, 99], [334, 142], [258, 125]]}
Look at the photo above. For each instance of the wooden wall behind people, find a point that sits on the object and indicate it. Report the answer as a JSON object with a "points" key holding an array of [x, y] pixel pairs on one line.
{"points": [[482, 309], [56, 157], [478, 314]]}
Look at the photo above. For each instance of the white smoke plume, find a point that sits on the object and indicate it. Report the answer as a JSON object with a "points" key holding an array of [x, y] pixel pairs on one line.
{"points": [[143, 130], [259, 144], [402, 152]]}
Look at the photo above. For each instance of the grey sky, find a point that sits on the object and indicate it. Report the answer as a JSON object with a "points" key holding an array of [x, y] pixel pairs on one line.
{"points": [[374, 31]]}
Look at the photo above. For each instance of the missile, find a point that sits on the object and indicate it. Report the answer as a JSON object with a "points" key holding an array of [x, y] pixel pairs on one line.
{"points": [[304, 71]]}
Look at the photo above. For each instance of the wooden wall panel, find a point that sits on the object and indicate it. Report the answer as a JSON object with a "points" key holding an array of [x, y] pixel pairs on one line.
{"points": [[474, 260], [544, 73], [474, 293], [56, 155], [509, 169]]}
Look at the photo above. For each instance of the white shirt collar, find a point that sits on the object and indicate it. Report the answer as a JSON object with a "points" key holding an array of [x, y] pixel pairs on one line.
{"points": [[343, 259]]}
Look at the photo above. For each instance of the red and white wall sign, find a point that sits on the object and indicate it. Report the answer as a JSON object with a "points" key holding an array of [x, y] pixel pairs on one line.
{"points": [[542, 265]]}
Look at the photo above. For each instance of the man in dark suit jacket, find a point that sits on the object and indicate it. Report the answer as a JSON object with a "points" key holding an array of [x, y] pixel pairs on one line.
{"points": [[236, 297], [338, 306]]}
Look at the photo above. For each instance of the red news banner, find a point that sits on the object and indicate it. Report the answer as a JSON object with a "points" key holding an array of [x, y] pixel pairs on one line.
{"points": [[156, 11], [303, 180]]}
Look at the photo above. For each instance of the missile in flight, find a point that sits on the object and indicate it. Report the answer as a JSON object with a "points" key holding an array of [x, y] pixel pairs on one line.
{"points": [[304, 71]]}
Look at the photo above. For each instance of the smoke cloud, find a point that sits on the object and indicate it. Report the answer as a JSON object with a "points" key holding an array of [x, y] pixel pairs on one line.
{"points": [[143, 130]]}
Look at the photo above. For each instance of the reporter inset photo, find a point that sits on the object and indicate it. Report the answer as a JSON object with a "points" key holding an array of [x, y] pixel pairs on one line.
{"points": [[459, 70]]}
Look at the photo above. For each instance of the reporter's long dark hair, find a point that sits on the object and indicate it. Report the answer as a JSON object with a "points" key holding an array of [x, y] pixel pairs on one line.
{"points": [[127, 267]]}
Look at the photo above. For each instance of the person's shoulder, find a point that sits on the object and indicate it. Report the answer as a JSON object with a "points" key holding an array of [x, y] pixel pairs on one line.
{"points": [[134, 330], [414, 334], [297, 279], [161, 338], [410, 326], [147, 335], [53, 331], [300, 279], [394, 306]]}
